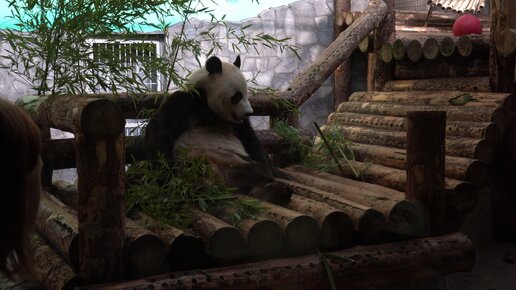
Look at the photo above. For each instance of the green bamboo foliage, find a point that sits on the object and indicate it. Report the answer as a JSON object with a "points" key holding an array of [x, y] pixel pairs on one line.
{"points": [[51, 47]]}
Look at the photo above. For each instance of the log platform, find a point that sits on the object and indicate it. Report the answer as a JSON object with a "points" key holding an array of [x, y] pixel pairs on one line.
{"points": [[378, 235]]}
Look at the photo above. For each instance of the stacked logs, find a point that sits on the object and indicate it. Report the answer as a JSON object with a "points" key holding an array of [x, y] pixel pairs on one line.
{"points": [[375, 123]]}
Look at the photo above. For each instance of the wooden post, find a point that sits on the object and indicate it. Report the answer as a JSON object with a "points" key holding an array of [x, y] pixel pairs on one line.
{"points": [[100, 169], [502, 59], [46, 172], [342, 75], [425, 164], [386, 32]]}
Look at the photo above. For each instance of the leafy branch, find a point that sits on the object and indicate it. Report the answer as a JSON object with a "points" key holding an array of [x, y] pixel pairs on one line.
{"points": [[167, 194]]}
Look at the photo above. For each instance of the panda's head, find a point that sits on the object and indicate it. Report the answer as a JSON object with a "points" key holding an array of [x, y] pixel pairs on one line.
{"points": [[225, 88]]}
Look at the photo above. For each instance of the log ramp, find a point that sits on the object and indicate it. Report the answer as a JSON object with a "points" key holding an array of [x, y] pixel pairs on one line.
{"points": [[89, 240]]}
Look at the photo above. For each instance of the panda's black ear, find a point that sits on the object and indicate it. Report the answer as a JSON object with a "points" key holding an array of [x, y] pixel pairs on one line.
{"points": [[213, 65], [237, 61]]}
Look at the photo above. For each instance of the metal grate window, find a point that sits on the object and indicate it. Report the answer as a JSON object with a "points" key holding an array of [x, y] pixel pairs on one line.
{"points": [[130, 54]]}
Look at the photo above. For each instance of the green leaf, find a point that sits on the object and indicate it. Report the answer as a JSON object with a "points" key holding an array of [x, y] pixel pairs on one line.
{"points": [[461, 100]]}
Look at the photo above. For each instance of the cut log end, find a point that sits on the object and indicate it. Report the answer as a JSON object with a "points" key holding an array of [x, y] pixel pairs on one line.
{"points": [[187, 252], [431, 48], [336, 231], [370, 225], [102, 119], [146, 256], [463, 199], [476, 173], [301, 233], [227, 245], [409, 218], [386, 52], [464, 45], [414, 50], [485, 151], [398, 49], [447, 46], [264, 238]]}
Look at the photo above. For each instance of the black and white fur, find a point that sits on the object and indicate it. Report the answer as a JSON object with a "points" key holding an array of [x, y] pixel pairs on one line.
{"points": [[211, 120]]}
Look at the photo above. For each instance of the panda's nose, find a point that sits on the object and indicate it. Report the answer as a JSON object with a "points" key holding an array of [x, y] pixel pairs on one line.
{"points": [[249, 114]]}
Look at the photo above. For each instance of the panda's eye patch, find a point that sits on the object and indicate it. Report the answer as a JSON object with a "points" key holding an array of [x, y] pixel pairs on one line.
{"points": [[235, 99]]}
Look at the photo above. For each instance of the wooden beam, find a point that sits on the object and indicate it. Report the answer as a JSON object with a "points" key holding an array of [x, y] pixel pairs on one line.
{"points": [[425, 164], [310, 79], [386, 32], [342, 75], [383, 265]]}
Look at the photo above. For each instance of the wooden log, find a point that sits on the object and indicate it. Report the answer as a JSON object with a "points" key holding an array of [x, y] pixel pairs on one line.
{"points": [[46, 170], [263, 102], [351, 16], [60, 228], [418, 18], [76, 115], [414, 50], [431, 30], [224, 244], [145, 253], [470, 170], [366, 45], [385, 33], [446, 46], [336, 228], [59, 153], [478, 130], [451, 98], [425, 164], [383, 265], [461, 196], [506, 42], [66, 192], [100, 169], [403, 217], [467, 84], [185, 250], [301, 230], [457, 67], [453, 113], [51, 271], [385, 52], [431, 48], [342, 74], [464, 45], [307, 82], [398, 49], [264, 236], [481, 149], [367, 222]]}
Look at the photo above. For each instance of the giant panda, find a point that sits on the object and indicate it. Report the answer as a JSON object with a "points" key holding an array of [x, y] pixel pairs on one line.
{"points": [[211, 119]]}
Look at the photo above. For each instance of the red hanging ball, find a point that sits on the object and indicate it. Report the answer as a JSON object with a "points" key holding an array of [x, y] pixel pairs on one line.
{"points": [[467, 24]]}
